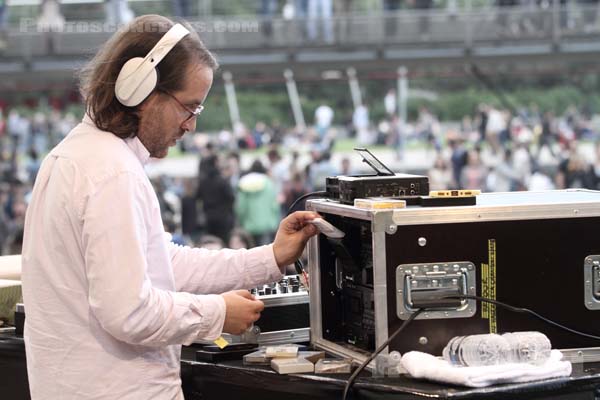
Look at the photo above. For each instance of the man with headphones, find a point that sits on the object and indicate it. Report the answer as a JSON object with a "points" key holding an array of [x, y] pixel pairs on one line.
{"points": [[109, 299]]}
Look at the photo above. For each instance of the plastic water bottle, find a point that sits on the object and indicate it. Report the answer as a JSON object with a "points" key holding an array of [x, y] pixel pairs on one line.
{"points": [[494, 349], [528, 347], [394, 367], [395, 357], [387, 365], [472, 350]]}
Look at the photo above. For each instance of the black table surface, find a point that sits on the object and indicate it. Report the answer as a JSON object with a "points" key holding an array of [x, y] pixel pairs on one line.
{"points": [[233, 380]]}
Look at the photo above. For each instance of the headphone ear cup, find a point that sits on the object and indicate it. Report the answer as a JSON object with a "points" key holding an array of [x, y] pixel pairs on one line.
{"points": [[127, 91]]}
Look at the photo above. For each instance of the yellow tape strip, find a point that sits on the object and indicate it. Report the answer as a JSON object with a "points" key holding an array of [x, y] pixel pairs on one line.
{"points": [[492, 285], [221, 342]]}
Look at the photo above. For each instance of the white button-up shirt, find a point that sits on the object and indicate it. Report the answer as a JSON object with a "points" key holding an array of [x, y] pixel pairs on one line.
{"points": [[108, 298]]}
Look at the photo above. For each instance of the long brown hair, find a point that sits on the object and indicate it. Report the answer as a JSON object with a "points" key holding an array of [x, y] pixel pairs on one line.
{"points": [[98, 77]]}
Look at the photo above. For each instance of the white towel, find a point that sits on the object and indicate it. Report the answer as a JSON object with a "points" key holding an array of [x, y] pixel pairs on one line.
{"points": [[426, 366]]}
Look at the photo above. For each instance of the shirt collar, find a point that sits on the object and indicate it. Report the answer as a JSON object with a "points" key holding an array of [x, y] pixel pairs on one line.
{"points": [[134, 143], [138, 148]]}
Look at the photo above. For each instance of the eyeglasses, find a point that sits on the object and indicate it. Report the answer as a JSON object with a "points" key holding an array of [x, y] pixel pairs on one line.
{"points": [[193, 113]]}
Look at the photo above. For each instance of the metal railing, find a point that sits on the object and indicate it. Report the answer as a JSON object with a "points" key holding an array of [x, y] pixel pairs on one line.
{"points": [[480, 29]]}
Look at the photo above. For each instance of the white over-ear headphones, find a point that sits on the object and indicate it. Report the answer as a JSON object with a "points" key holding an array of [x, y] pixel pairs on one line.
{"points": [[138, 77]]}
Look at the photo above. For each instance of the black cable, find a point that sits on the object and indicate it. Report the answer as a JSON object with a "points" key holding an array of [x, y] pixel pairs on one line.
{"points": [[524, 311], [379, 350], [304, 196]]}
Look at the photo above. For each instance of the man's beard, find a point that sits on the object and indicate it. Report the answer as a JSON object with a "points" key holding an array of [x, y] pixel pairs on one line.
{"points": [[156, 139]]}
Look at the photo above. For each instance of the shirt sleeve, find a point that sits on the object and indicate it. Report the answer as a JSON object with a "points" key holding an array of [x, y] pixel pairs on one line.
{"points": [[115, 230], [199, 270]]}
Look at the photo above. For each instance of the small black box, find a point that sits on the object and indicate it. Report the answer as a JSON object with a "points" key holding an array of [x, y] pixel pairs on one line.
{"points": [[395, 186], [384, 183]]}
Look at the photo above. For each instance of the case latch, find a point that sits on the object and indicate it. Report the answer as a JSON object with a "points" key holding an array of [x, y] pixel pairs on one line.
{"points": [[431, 285], [591, 277], [596, 279]]}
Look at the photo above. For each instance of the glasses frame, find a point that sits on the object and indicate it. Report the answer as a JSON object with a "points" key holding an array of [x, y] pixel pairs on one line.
{"points": [[193, 113]]}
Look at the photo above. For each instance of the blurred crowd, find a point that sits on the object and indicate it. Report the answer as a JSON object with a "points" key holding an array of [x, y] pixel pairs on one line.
{"points": [[24, 139], [227, 205], [524, 150], [248, 179]]}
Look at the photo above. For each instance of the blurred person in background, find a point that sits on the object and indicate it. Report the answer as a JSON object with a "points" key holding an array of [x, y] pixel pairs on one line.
{"points": [[2, 134], [279, 171], [474, 174], [211, 242], [319, 12], [397, 137], [65, 124], [166, 207], [428, 129], [206, 155], [110, 299], [590, 14], [256, 207], [343, 8], [548, 135], [522, 161], [481, 121], [424, 23], [182, 8], [33, 165], [300, 13], [259, 133], [217, 198], [594, 173], [231, 169], [503, 177], [323, 119], [294, 165], [295, 189], [318, 171], [496, 123], [277, 132], [5, 220], [118, 12], [19, 130], [240, 239], [50, 19], [3, 19], [189, 211], [539, 180], [458, 160], [39, 132], [268, 8], [54, 135], [389, 103], [361, 123], [390, 9], [504, 10], [244, 138], [573, 171], [440, 174], [15, 208], [345, 167]]}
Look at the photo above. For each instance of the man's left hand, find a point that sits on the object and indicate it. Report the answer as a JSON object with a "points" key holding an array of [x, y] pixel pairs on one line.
{"points": [[292, 235]]}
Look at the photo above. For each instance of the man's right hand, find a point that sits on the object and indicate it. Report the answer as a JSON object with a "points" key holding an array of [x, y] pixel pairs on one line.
{"points": [[242, 310]]}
